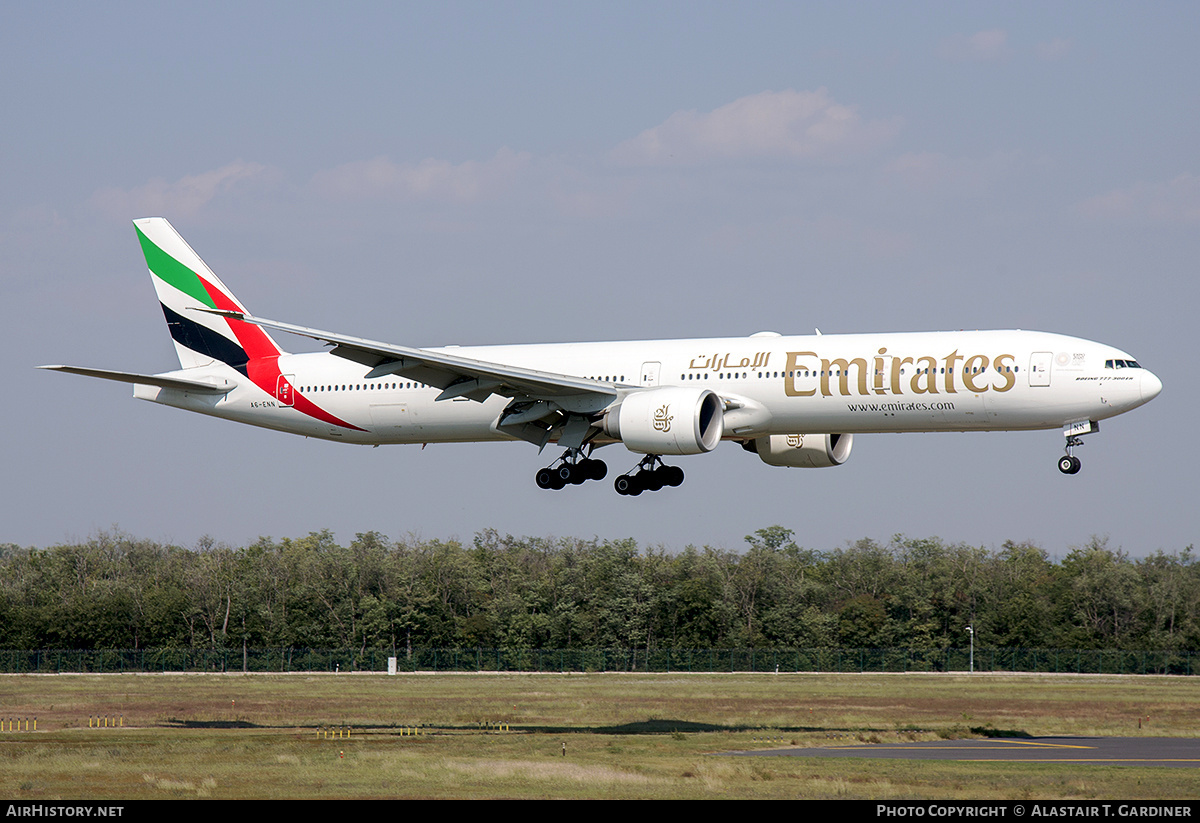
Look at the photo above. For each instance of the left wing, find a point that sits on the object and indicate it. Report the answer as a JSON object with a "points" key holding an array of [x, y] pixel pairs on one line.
{"points": [[541, 402]]}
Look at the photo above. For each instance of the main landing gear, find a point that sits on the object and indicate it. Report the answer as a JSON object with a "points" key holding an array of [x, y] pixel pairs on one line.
{"points": [[572, 468], [644, 477]]}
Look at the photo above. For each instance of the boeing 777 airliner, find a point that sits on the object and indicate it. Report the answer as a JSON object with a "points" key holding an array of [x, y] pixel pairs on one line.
{"points": [[793, 401]]}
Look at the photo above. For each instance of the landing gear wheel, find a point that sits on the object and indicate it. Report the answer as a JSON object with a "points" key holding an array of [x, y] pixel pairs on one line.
{"points": [[571, 469], [597, 469], [1069, 464], [627, 484]]}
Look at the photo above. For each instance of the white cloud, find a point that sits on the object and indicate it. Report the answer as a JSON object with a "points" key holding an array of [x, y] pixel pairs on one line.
{"points": [[1055, 49], [577, 191], [932, 171], [1172, 201], [780, 125], [431, 178], [185, 196], [982, 46]]}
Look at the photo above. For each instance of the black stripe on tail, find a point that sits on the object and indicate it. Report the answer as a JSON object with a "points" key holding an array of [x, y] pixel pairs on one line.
{"points": [[203, 340]]}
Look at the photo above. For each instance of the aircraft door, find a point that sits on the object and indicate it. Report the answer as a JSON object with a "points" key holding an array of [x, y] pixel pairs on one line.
{"points": [[283, 390], [1039, 368], [650, 372]]}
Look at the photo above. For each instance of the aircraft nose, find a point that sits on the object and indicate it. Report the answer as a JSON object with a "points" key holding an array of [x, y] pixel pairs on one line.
{"points": [[1151, 386]]}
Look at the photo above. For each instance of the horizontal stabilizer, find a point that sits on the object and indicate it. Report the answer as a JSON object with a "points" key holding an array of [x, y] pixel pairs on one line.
{"points": [[216, 386]]}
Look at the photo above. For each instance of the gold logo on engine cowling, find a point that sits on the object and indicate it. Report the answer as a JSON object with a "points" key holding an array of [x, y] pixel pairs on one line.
{"points": [[796, 441], [662, 420]]}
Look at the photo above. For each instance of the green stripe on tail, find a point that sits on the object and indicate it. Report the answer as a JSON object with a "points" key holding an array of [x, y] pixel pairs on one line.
{"points": [[171, 271]]}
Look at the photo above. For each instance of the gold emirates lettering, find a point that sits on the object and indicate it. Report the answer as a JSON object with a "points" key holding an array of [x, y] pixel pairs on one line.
{"points": [[924, 379]]}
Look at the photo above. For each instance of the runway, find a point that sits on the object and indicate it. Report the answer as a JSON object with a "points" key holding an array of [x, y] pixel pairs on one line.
{"points": [[1176, 752]]}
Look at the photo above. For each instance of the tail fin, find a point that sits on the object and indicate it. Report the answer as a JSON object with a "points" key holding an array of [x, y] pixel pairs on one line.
{"points": [[184, 283]]}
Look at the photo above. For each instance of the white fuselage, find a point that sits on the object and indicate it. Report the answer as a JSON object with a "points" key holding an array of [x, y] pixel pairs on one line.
{"points": [[859, 383]]}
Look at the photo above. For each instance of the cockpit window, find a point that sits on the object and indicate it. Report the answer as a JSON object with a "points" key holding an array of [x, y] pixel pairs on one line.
{"points": [[1122, 364]]}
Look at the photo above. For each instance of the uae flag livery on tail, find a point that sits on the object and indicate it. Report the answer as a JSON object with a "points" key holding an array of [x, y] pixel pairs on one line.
{"points": [[188, 292]]}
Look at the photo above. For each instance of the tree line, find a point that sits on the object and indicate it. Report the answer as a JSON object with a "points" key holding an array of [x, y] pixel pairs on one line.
{"points": [[503, 592]]}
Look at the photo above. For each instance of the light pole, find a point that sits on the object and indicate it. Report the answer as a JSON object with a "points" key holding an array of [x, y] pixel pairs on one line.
{"points": [[971, 631]]}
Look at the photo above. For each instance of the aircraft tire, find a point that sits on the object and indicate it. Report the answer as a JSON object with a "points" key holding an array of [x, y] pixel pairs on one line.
{"points": [[597, 469], [1067, 464]]}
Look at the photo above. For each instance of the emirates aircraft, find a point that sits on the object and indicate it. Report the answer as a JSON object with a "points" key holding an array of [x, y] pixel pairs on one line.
{"points": [[792, 401]]}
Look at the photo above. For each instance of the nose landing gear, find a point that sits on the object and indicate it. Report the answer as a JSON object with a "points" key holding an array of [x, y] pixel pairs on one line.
{"points": [[1069, 463]]}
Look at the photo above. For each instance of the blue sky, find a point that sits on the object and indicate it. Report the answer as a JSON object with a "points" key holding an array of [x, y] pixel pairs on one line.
{"points": [[468, 173]]}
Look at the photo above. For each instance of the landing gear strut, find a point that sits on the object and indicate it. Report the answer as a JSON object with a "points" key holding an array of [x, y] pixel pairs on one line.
{"points": [[646, 477], [573, 468], [1069, 463]]}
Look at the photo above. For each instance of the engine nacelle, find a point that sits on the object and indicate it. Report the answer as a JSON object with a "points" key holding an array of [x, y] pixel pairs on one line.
{"points": [[670, 420], [804, 451]]}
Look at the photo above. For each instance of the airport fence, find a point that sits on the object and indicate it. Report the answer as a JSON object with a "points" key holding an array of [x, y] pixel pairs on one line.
{"points": [[1059, 661]]}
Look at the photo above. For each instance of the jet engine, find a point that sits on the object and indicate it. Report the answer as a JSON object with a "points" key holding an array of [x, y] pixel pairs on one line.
{"points": [[670, 420], [803, 451]]}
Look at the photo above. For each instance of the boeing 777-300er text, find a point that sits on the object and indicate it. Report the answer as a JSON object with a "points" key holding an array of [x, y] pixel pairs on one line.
{"points": [[793, 401]]}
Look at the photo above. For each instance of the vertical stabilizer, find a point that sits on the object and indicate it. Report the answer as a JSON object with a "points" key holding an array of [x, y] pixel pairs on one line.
{"points": [[184, 283]]}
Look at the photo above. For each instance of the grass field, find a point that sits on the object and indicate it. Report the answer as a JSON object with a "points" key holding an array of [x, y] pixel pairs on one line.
{"points": [[625, 735]]}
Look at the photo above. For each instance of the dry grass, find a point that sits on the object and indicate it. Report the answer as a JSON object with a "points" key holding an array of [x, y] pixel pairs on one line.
{"points": [[626, 736]]}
